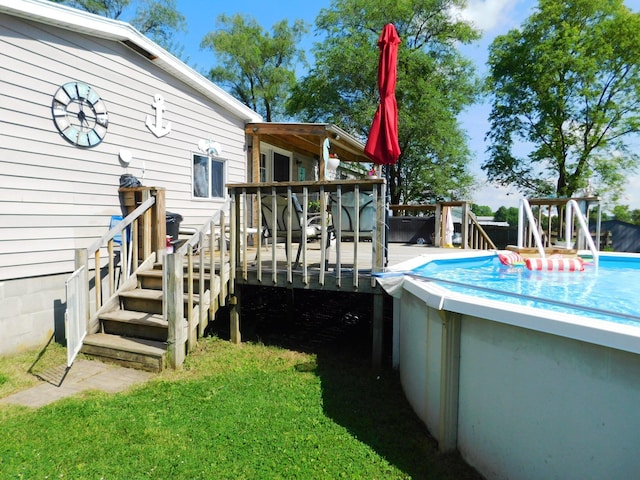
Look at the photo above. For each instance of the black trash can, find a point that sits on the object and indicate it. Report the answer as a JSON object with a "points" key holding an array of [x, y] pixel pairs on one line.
{"points": [[173, 225]]}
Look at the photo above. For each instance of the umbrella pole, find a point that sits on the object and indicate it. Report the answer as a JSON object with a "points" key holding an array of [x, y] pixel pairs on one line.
{"points": [[387, 202]]}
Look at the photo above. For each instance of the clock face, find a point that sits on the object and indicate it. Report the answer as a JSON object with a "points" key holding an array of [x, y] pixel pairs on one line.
{"points": [[79, 114]]}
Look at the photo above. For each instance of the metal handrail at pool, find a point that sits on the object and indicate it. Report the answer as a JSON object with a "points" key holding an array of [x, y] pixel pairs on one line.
{"points": [[532, 231], [247, 216]]}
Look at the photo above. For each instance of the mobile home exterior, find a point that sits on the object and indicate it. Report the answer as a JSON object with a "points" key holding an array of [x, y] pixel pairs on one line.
{"points": [[145, 113]]}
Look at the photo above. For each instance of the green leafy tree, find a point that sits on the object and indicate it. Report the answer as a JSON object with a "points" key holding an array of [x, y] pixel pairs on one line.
{"points": [[435, 83], [509, 215], [482, 210], [258, 68], [160, 21], [622, 213], [157, 19], [105, 8], [566, 88]]}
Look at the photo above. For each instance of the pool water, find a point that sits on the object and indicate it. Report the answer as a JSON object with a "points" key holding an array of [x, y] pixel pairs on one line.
{"points": [[608, 291]]}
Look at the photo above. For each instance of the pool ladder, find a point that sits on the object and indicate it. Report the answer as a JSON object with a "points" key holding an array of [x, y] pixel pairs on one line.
{"points": [[572, 209]]}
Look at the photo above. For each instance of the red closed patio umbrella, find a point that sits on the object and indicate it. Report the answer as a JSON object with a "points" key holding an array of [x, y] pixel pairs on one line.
{"points": [[382, 145]]}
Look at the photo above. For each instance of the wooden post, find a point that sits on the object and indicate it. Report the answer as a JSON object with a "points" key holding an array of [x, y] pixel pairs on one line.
{"points": [[437, 236], [154, 226], [234, 314], [466, 241], [378, 325], [234, 306], [255, 162], [159, 221], [174, 308]]}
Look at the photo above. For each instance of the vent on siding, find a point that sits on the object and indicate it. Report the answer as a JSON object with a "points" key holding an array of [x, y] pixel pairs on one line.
{"points": [[137, 48]]}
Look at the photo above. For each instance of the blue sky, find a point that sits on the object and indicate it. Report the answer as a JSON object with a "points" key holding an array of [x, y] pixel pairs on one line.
{"points": [[492, 17]]}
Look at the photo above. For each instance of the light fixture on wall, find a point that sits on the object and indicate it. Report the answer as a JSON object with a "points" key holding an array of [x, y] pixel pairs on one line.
{"points": [[125, 157], [211, 148]]}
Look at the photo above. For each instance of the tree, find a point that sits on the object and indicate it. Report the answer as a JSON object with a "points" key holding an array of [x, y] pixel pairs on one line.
{"points": [[257, 68], [566, 87], [157, 19], [482, 210], [435, 83], [160, 21], [509, 215], [622, 213]]}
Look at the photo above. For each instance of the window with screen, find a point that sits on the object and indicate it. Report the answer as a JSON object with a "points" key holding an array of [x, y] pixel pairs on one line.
{"points": [[208, 177]]}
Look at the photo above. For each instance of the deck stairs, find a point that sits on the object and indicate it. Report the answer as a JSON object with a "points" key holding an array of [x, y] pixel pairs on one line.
{"points": [[132, 330]]}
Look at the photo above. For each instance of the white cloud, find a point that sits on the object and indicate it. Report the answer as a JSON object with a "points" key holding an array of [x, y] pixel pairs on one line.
{"points": [[489, 15]]}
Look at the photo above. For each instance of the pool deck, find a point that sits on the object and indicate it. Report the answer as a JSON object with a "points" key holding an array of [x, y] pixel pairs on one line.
{"points": [[273, 269]]}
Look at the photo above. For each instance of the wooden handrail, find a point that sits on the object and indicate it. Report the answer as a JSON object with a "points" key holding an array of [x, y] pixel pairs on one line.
{"points": [[122, 224], [246, 196], [477, 230]]}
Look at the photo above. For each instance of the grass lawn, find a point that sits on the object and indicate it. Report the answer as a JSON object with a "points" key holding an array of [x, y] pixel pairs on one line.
{"points": [[245, 411]]}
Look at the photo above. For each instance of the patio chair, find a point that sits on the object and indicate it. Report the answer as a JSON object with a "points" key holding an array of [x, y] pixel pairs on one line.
{"points": [[363, 220], [278, 231]]}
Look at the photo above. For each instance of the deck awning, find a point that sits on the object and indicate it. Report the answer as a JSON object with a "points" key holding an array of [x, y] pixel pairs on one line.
{"points": [[307, 139]]}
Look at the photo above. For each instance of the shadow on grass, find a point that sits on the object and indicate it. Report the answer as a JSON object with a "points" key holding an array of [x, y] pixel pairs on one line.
{"points": [[41, 369], [369, 403]]}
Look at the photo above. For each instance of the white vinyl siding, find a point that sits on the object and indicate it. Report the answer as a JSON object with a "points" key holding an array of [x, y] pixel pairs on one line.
{"points": [[55, 197]]}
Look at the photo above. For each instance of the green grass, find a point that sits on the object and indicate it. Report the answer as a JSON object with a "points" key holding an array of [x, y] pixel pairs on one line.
{"points": [[20, 371], [240, 412]]}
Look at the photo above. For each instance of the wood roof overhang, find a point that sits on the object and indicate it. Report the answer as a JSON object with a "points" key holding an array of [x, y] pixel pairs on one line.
{"points": [[307, 139]]}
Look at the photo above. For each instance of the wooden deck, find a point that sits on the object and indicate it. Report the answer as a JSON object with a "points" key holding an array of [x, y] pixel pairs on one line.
{"points": [[333, 277]]}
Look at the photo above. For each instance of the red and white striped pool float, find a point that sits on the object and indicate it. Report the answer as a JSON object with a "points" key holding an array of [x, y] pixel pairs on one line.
{"points": [[507, 257], [555, 264]]}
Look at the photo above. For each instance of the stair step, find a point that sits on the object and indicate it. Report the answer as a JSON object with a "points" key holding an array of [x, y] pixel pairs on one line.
{"points": [[143, 294], [140, 318], [196, 266], [142, 300], [130, 323], [131, 352], [152, 279]]}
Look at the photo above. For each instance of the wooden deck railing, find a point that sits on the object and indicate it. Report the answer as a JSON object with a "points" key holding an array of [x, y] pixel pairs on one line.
{"points": [[97, 265], [472, 233], [135, 247], [476, 236], [180, 272], [247, 222], [105, 271]]}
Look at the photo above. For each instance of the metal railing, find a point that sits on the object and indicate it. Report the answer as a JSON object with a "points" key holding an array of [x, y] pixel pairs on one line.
{"points": [[76, 313], [572, 231], [530, 229]]}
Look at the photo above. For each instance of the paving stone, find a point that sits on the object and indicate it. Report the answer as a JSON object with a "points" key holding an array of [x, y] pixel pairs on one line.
{"points": [[59, 382]]}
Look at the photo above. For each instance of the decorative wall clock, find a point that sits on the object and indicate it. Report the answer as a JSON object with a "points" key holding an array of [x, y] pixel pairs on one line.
{"points": [[79, 114]]}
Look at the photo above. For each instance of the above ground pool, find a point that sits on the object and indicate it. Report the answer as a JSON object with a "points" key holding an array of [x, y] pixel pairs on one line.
{"points": [[607, 291], [528, 371]]}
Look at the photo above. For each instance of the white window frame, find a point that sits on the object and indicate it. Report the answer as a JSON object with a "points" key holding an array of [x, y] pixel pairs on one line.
{"points": [[210, 161], [268, 169]]}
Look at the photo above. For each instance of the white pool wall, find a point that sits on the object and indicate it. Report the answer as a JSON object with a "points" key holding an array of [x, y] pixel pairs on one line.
{"points": [[537, 394]]}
